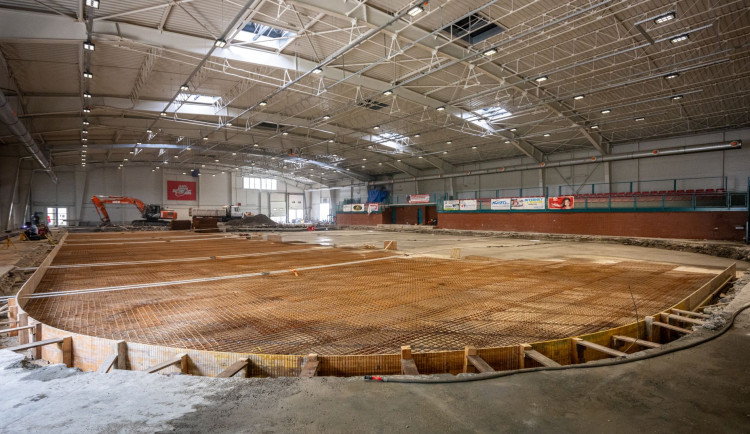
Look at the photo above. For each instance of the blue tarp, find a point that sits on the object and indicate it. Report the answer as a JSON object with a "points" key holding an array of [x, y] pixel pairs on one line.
{"points": [[377, 196]]}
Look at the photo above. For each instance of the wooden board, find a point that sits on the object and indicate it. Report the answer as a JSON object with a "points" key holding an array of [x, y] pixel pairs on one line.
{"points": [[234, 368], [107, 364], [600, 348], [672, 327], [480, 364], [168, 363], [641, 342], [310, 368], [540, 358], [35, 344], [408, 367]]}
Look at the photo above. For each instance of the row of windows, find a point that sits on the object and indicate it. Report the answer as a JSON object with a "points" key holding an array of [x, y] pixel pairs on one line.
{"points": [[258, 183]]}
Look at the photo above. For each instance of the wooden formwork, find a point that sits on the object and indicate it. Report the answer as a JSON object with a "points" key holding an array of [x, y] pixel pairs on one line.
{"points": [[89, 352]]}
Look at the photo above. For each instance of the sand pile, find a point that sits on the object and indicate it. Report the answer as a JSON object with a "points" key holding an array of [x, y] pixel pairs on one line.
{"points": [[253, 221]]}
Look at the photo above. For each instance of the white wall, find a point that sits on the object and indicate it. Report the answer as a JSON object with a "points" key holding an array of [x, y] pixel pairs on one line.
{"points": [[614, 176], [147, 185]]}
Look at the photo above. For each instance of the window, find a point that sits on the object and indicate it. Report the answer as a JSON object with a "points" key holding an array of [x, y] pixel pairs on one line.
{"points": [[325, 209], [485, 116], [392, 140], [57, 216], [259, 183], [264, 35], [202, 99]]}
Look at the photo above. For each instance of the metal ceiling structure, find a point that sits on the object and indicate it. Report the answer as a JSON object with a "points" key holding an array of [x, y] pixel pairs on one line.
{"points": [[321, 92]]}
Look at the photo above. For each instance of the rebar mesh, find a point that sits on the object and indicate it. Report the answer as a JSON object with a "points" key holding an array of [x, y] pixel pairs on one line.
{"points": [[367, 308]]}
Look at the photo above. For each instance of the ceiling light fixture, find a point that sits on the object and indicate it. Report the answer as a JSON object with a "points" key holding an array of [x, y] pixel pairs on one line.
{"points": [[263, 103], [417, 135], [578, 97], [85, 122], [546, 134], [661, 19], [507, 141], [229, 124], [416, 10], [639, 119], [376, 127], [285, 133], [86, 95], [84, 131], [184, 87], [677, 97], [473, 147], [220, 43], [255, 145], [317, 71], [448, 142], [163, 114], [388, 92], [441, 108], [672, 75], [331, 140], [490, 52], [89, 46], [513, 130], [149, 131], [678, 39], [137, 143], [541, 79], [86, 110], [92, 4], [595, 127], [87, 74], [606, 111], [205, 139], [326, 117]]}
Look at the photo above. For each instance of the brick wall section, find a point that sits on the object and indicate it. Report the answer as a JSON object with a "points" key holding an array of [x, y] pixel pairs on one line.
{"points": [[360, 219], [718, 225]]}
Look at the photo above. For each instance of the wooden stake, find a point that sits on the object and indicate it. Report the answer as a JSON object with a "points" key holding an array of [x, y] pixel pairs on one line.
{"points": [[468, 351], [23, 335], [121, 348]]}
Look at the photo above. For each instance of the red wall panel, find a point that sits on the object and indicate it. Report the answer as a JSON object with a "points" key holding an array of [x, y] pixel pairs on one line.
{"points": [[718, 225]]}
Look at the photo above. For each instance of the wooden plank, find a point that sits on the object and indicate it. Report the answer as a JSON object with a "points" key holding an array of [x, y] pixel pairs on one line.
{"points": [[234, 368], [672, 327], [107, 364], [23, 321], [121, 348], [408, 367], [480, 364], [540, 358], [35, 344], [600, 348], [310, 368], [685, 319], [468, 351], [67, 351], [690, 313], [16, 329], [168, 363], [641, 342]]}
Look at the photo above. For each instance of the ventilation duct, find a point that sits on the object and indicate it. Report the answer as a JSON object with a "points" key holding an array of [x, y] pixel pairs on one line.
{"points": [[736, 144], [9, 118]]}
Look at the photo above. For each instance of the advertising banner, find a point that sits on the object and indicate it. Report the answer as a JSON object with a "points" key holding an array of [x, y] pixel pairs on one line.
{"points": [[560, 202], [451, 205], [358, 207], [501, 203], [468, 205], [372, 207], [521, 203], [418, 198], [181, 190], [347, 208]]}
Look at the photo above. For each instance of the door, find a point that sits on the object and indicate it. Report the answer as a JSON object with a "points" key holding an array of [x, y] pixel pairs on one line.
{"points": [[393, 215], [420, 216]]}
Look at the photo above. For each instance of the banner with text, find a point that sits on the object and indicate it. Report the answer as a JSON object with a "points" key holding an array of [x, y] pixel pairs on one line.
{"points": [[181, 190], [451, 205], [468, 205], [502, 203], [521, 203], [418, 198]]}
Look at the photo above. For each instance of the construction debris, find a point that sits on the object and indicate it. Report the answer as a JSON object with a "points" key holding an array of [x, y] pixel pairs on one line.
{"points": [[260, 220]]}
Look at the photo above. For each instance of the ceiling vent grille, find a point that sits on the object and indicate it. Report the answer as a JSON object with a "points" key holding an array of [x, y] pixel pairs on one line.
{"points": [[372, 105], [473, 29]]}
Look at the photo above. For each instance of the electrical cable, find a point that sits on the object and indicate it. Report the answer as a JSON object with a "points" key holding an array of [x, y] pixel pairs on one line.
{"points": [[613, 362]]}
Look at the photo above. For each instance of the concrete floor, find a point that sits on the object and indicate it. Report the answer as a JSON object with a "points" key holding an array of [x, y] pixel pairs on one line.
{"points": [[703, 389]]}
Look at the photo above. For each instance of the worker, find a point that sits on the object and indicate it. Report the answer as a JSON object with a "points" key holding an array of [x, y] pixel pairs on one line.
{"points": [[32, 231]]}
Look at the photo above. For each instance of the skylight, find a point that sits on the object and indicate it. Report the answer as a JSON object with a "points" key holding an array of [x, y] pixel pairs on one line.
{"points": [[202, 99], [485, 116], [264, 35], [392, 140]]}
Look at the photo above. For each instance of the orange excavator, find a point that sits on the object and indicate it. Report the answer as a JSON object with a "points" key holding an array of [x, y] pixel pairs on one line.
{"points": [[152, 214]]}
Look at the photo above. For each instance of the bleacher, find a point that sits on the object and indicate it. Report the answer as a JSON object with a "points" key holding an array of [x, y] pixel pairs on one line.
{"points": [[654, 195]]}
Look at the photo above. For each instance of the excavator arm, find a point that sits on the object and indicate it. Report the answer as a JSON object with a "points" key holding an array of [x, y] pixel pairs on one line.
{"points": [[99, 202]]}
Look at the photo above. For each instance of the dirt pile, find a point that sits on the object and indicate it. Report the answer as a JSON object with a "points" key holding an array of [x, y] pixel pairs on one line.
{"points": [[253, 221]]}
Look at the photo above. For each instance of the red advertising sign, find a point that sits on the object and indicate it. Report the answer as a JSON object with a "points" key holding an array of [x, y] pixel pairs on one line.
{"points": [[560, 202], [181, 190], [418, 198]]}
